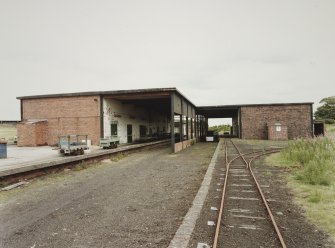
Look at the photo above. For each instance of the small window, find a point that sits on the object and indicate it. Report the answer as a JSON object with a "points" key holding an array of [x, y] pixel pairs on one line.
{"points": [[278, 128], [113, 129]]}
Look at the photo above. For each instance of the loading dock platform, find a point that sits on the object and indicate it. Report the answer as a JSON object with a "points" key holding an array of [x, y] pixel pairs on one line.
{"points": [[19, 168]]}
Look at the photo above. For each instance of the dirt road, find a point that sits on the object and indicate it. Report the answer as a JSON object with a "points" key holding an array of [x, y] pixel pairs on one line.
{"points": [[138, 201]]}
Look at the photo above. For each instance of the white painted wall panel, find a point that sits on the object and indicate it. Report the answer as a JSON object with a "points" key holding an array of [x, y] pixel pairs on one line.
{"points": [[124, 114]]}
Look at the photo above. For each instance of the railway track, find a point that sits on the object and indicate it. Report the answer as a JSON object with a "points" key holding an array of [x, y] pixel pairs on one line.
{"points": [[245, 218]]}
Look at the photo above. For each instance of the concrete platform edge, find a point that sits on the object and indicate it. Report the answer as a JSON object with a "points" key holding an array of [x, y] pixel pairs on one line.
{"points": [[184, 232], [44, 164]]}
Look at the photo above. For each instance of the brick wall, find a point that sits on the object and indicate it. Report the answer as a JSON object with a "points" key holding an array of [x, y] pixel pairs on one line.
{"points": [[41, 130], [277, 132], [25, 134], [32, 134], [255, 120], [64, 115]]}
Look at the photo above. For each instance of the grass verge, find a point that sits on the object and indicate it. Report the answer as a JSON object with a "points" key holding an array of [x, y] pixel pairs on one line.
{"points": [[312, 178], [330, 131], [7, 132], [330, 128], [117, 157], [263, 144]]}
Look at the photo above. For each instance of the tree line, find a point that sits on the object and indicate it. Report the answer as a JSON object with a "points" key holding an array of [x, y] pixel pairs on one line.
{"points": [[326, 111]]}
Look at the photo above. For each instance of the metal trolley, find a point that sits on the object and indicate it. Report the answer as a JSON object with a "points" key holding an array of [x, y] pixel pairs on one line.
{"points": [[72, 144]]}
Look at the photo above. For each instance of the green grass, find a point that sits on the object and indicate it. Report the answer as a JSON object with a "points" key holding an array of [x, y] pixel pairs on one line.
{"points": [[330, 131], [330, 128], [7, 132], [318, 202], [264, 143], [315, 159], [220, 128], [312, 178]]}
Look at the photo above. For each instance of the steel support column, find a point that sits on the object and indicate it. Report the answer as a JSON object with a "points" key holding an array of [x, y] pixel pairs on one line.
{"points": [[172, 123], [191, 128]]}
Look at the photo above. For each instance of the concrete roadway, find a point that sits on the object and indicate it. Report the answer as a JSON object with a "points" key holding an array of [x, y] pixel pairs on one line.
{"points": [[138, 201]]}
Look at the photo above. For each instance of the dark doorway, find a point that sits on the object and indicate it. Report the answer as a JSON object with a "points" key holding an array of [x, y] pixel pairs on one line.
{"points": [[129, 133], [319, 128], [114, 130]]}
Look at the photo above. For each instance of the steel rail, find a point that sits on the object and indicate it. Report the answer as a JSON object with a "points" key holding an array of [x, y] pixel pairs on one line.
{"points": [[217, 231], [274, 223]]}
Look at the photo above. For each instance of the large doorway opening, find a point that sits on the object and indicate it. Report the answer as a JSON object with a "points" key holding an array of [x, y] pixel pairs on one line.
{"points": [[224, 120], [140, 117], [223, 127]]}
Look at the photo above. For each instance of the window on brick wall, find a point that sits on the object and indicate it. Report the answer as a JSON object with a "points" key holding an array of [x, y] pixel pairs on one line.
{"points": [[114, 129]]}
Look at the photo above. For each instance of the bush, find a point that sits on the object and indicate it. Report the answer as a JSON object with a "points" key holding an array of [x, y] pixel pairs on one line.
{"points": [[316, 173], [315, 157], [329, 121]]}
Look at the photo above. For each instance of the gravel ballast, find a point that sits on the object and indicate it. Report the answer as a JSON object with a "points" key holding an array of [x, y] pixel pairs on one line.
{"points": [[138, 201]]}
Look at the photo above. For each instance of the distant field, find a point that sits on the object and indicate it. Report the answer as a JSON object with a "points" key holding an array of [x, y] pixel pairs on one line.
{"points": [[7, 131]]}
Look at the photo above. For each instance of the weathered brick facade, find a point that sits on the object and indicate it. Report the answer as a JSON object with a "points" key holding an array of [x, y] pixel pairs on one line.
{"points": [[256, 118], [95, 113], [32, 133], [64, 115], [277, 131]]}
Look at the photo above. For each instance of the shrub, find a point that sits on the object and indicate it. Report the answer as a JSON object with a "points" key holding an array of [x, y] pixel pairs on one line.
{"points": [[316, 173], [329, 121], [315, 157]]}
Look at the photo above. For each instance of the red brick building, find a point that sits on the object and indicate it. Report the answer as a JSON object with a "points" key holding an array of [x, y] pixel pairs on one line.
{"points": [[295, 118], [134, 114], [61, 115]]}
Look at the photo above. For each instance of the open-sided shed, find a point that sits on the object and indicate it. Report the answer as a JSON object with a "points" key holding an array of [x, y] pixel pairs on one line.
{"points": [[159, 113]]}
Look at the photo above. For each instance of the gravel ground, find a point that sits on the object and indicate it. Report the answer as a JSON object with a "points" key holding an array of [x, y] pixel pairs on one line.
{"points": [[202, 232], [296, 230], [244, 215], [139, 201]]}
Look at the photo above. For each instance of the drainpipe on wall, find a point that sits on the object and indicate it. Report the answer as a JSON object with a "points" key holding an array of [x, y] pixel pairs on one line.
{"points": [[21, 106], [101, 116]]}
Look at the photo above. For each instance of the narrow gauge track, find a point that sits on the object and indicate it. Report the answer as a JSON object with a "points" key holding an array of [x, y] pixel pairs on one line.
{"points": [[245, 219]]}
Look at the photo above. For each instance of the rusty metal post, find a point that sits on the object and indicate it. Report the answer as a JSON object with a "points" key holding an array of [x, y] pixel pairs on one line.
{"points": [[191, 128], [181, 129], [173, 141]]}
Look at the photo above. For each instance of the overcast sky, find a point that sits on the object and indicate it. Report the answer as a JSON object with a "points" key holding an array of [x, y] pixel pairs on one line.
{"points": [[215, 52]]}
